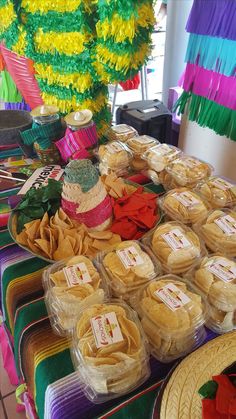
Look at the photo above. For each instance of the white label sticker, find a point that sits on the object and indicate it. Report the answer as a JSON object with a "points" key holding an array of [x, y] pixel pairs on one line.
{"points": [[172, 296], [106, 329], [186, 198], [176, 240], [77, 274], [122, 129], [223, 269], [129, 257], [227, 224], [114, 148], [162, 149], [191, 163], [144, 139], [221, 184]]}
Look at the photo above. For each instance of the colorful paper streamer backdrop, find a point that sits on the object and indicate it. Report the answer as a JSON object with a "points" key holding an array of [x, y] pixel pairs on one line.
{"points": [[210, 76]]}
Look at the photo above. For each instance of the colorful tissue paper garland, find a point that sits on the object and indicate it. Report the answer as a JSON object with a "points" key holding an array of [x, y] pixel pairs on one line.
{"points": [[209, 83], [98, 42]]}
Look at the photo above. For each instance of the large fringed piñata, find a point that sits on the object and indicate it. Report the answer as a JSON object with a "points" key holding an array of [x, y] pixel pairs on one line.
{"points": [[210, 82], [78, 47]]}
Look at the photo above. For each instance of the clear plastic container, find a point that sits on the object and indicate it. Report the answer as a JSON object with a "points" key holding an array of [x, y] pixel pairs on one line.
{"points": [[138, 145], [186, 171], [172, 315], [121, 132], [184, 205], [218, 191], [176, 246], [215, 279], [127, 267], [114, 157], [218, 231], [71, 286], [110, 351], [157, 158]]}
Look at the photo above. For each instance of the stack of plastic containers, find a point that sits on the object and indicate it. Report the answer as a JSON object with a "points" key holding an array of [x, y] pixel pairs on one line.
{"points": [[121, 132], [110, 351], [172, 316], [71, 286], [215, 279], [114, 157], [158, 158], [138, 146]]}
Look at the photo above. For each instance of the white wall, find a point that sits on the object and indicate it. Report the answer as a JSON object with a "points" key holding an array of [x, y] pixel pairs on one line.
{"points": [[176, 43], [207, 145]]}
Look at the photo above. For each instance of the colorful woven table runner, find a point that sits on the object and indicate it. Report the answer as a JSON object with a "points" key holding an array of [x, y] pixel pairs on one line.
{"points": [[210, 77]]}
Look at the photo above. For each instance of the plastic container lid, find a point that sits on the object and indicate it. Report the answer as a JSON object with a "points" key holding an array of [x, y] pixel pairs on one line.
{"points": [[127, 267], [218, 191], [160, 156], [176, 246], [187, 171], [218, 231], [114, 157], [172, 316], [215, 278], [139, 144], [184, 205], [110, 351], [121, 132], [71, 286]]}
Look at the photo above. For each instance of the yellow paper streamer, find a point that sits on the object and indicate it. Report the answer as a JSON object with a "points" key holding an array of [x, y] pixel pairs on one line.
{"points": [[44, 6], [66, 106], [7, 16], [20, 45], [123, 62], [69, 43], [80, 82], [122, 29]]}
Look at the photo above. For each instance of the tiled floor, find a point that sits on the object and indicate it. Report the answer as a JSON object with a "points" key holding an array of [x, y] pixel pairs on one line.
{"points": [[7, 397]]}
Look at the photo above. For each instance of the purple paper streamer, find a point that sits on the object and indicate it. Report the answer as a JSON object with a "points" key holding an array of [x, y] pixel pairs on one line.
{"points": [[20, 106], [213, 18], [214, 86]]}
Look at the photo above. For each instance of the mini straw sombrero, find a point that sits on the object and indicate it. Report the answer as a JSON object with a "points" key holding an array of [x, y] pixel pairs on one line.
{"points": [[180, 398], [44, 110], [79, 118]]}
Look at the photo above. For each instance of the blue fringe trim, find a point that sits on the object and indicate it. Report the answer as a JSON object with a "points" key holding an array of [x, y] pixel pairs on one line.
{"points": [[216, 54]]}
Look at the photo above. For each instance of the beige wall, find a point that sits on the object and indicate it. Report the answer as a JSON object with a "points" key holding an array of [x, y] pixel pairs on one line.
{"points": [[207, 145]]}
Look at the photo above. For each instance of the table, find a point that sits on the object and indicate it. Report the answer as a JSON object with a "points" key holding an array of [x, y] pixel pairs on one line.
{"points": [[42, 359]]}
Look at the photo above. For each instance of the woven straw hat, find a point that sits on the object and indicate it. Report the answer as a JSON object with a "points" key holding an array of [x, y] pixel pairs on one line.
{"points": [[79, 118], [44, 110], [180, 399]]}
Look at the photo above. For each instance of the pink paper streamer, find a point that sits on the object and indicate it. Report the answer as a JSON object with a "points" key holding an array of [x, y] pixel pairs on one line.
{"points": [[8, 357], [211, 85]]}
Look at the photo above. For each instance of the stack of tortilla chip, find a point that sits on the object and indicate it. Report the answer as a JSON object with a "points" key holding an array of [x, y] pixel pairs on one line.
{"points": [[58, 238], [176, 246], [184, 205], [129, 266], [218, 231], [215, 277], [116, 187], [218, 191], [172, 317], [110, 351], [114, 157], [71, 286]]}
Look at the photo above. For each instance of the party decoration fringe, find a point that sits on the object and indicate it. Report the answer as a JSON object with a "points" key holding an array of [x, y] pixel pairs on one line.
{"points": [[214, 18], [69, 43], [215, 54], [212, 85], [7, 15], [208, 114]]}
